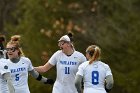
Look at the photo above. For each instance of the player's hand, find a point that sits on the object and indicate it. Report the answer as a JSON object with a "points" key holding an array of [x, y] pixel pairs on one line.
{"points": [[49, 81]]}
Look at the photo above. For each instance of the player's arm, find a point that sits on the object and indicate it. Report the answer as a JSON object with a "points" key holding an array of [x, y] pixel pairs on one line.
{"points": [[44, 68], [78, 80], [39, 77], [109, 83], [7, 76]]}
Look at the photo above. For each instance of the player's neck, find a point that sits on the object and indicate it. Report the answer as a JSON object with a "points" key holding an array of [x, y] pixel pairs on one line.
{"points": [[69, 52], [15, 60]]}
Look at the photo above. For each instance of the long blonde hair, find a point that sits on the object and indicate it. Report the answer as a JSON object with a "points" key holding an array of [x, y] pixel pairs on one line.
{"points": [[15, 40], [94, 52]]}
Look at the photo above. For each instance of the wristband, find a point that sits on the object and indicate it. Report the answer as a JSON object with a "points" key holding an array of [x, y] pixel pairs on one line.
{"points": [[39, 77]]}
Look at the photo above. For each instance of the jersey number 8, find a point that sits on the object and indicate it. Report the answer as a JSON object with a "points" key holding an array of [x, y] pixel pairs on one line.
{"points": [[95, 77]]}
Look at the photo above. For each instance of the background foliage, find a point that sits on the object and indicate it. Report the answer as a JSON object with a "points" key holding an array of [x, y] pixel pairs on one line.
{"points": [[113, 25]]}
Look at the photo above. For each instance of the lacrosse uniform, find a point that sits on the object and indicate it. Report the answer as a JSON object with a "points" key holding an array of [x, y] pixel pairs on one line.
{"points": [[3, 69], [67, 66], [19, 74], [94, 76]]}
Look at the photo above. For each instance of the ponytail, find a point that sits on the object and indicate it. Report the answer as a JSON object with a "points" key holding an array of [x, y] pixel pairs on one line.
{"points": [[94, 53], [70, 35]]}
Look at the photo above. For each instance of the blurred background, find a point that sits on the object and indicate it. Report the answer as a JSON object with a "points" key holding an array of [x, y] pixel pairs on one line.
{"points": [[111, 24]]}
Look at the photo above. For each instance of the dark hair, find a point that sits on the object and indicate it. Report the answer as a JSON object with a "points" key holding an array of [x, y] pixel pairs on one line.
{"points": [[2, 39], [70, 35]]}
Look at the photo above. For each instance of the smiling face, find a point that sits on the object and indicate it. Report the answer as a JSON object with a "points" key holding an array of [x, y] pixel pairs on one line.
{"points": [[66, 47], [63, 44], [12, 51]]}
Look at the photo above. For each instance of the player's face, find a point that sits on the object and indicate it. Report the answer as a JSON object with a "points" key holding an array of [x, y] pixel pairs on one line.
{"points": [[12, 51], [62, 44], [87, 55]]}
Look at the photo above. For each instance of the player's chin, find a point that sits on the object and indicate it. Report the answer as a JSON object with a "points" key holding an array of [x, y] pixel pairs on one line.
{"points": [[61, 48], [11, 56]]}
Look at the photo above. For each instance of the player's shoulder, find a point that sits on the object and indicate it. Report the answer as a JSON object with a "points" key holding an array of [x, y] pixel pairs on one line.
{"points": [[3, 60], [58, 52], [103, 64], [25, 59], [78, 53], [84, 64]]}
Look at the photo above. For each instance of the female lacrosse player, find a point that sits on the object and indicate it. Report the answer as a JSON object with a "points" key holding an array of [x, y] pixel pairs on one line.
{"points": [[96, 75], [67, 61], [20, 65], [6, 85]]}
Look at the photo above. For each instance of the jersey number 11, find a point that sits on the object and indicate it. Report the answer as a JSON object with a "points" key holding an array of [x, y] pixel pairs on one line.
{"points": [[67, 70]]}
